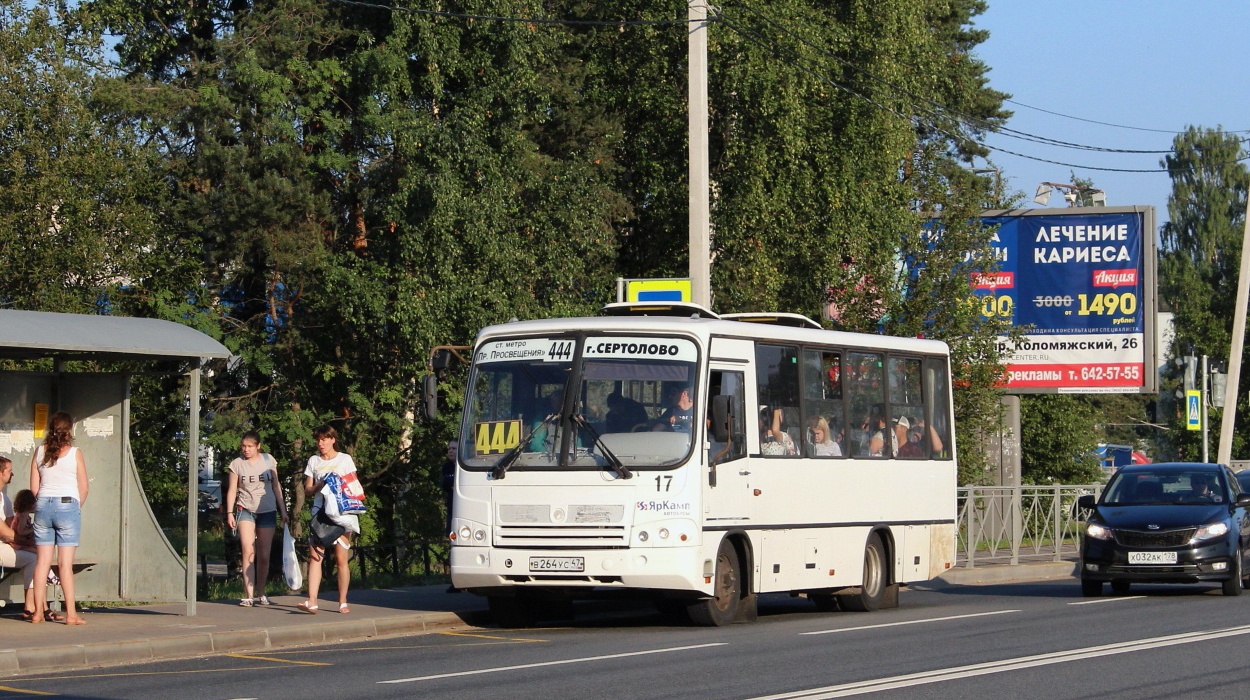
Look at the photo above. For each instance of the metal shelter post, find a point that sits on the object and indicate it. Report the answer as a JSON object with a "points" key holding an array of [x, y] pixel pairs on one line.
{"points": [[193, 486]]}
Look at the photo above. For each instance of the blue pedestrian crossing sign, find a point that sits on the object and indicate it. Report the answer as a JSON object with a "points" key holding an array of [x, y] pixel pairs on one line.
{"points": [[1193, 410]]}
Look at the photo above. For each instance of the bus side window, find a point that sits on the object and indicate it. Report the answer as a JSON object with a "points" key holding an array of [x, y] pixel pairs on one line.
{"points": [[733, 385], [777, 389], [907, 411], [937, 393], [866, 426]]}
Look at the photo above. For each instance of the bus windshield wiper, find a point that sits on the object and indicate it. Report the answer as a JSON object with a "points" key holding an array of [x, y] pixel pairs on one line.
{"points": [[620, 469], [501, 467]]}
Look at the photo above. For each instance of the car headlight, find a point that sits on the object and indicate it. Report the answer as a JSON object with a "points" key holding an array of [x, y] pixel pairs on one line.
{"points": [[1207, 532], [1099, 532]]}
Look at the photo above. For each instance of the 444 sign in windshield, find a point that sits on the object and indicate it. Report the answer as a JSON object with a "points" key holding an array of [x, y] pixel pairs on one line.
{"points": [[1077, 279]]}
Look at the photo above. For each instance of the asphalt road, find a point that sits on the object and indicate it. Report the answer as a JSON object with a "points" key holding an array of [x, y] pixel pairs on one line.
{"points": [[1034, 640]]}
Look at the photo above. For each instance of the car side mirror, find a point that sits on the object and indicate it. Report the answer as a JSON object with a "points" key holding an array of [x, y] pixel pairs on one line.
{"points": [[1243, 500], [1084, 504]]}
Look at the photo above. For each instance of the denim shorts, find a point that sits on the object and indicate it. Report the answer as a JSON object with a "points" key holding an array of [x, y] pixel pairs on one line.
{"points": [[269, 519], [57, 521]]}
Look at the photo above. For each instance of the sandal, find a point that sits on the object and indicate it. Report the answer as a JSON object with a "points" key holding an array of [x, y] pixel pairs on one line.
{"points": [[306, 608], [262, 601], [245, 603], [52, 616], [28, 615], [75, 620], [344, 609]]}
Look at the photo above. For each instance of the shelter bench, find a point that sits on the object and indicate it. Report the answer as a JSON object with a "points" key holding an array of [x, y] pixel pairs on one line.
{"points": [[6, 574]]}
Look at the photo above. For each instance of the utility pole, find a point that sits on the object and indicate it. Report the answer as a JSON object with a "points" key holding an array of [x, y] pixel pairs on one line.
{"points": [[1238, 342], [1206, 388], [700, 228]]}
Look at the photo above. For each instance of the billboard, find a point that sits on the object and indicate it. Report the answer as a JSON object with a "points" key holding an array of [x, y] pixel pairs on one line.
{"points": [[1083, 281]]}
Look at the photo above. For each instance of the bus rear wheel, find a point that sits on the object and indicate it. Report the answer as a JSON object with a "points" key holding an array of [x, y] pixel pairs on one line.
{"points": [[722, 608], [872, 593]]}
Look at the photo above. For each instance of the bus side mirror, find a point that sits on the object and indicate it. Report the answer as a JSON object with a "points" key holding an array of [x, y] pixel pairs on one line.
{"points": [[722, 413], [440, 359], [429, 396]]}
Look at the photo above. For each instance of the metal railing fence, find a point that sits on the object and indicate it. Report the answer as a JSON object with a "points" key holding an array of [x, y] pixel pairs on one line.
{"points": [[1014, 524]]}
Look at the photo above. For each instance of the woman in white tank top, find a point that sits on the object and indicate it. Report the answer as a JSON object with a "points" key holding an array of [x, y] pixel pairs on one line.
{"points": [[58, 477]]}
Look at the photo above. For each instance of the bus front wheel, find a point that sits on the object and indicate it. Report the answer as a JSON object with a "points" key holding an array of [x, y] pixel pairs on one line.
{"points": [[872, 593], [722, 608]]}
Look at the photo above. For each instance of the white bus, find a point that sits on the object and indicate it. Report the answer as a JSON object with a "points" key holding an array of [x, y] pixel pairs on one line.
{"points": [[701, 460]]}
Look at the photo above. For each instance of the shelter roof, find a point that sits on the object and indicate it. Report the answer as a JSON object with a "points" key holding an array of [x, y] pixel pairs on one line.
{"points": [[35, 334]]}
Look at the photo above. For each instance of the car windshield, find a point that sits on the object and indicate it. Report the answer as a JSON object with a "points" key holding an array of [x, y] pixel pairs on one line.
{"points": [[629, 404], [1165, 488]]}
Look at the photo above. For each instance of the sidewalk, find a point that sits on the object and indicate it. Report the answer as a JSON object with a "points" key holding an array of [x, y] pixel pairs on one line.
{"points": [[148, 633]]}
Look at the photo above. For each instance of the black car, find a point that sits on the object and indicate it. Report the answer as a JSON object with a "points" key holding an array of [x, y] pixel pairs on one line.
{"points": [[1167, 523]]}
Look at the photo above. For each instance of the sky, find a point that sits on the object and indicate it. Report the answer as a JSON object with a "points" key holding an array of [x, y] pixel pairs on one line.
{"points": [[1152, 65]]}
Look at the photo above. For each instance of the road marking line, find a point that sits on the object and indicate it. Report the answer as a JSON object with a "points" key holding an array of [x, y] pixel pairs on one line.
{"points": [[9, 689], [81, 676], [491, 636], [911, 622], [554, 663], [281, 661], [1021, 662], [1107, 600]]}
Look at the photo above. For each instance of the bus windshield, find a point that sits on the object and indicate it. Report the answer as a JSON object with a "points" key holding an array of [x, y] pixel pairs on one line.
{"points": [[625, 402]]}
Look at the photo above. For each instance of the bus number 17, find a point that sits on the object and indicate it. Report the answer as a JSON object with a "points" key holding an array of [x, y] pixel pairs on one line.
{"points": [[663, 485]]}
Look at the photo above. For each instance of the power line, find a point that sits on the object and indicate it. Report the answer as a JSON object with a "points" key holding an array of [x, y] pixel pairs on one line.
{"points": [[799, 59], [977, 124], [941, 110], [1117, 126]]}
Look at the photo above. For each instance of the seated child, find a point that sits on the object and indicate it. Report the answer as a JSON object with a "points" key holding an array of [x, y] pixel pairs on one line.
{"points": [[22, 520]]}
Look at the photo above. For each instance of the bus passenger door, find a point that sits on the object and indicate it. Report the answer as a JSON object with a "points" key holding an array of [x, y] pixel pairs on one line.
{"points": [[727, 484]]}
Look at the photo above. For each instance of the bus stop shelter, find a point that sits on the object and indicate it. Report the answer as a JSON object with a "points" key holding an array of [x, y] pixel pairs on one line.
{"points": [[132, 559]]}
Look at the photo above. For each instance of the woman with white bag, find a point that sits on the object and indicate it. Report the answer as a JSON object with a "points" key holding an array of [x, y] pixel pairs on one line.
{"points": [[333, 529]]}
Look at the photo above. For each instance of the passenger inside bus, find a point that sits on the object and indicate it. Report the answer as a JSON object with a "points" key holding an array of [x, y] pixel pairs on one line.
{"points": [[910, 446], [880, 435], [545, 435], [625, 415], [680, 412], [774, 440], [822, 441]]}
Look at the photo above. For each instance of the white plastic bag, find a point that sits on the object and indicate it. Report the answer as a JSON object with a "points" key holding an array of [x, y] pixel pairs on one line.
{"points": [[290, 562]]}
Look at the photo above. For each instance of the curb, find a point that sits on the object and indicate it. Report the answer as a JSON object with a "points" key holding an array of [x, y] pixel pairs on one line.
{"points": [[1006, 573], [75, 656]]}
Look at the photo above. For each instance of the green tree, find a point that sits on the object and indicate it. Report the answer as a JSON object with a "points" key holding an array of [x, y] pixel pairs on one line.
{"points": [[351, 185], [1199, 257], [1058, 440], [76, 225]]}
